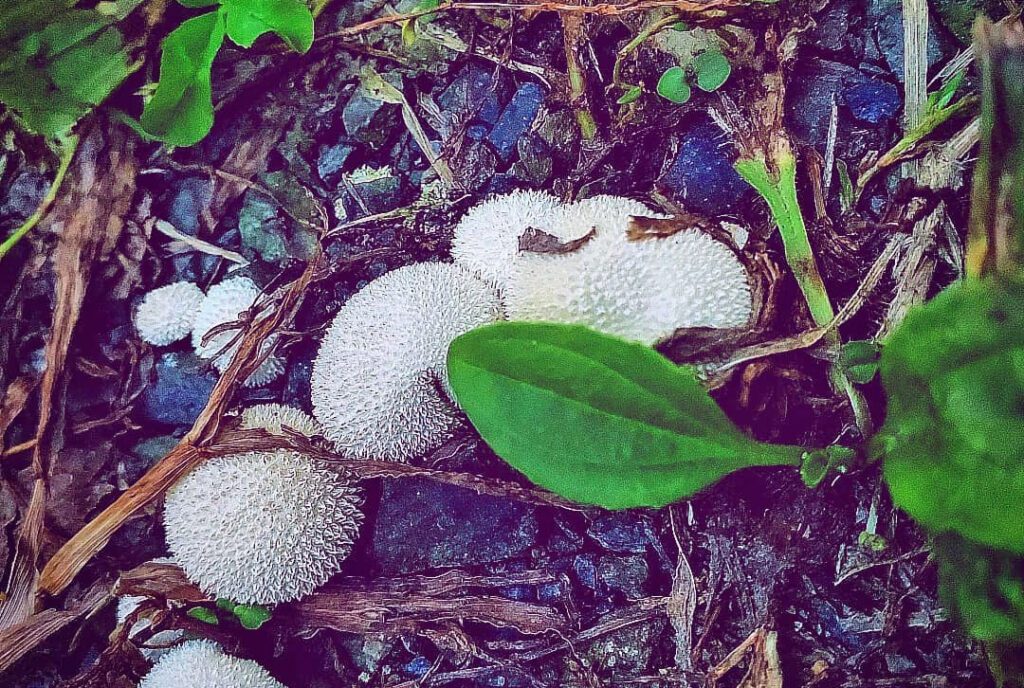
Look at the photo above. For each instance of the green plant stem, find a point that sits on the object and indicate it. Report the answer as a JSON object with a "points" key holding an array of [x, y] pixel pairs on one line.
{"points": [[638, 40], [780, 194], [68, 147]]}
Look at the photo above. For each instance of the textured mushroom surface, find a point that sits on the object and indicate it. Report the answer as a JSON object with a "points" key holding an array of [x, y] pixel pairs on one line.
{"points": [[261, 527], [168, 313], [486, 240], [203, 664], [273, 417], [641, 290], [379, 383], [224, 303]]}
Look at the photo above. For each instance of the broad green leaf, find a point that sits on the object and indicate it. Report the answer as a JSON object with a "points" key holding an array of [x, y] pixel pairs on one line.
{"points": [[57, 74], [630, 96], [251, 616], [207, 616], [181, 110], [859, 359], [597, 419], [712, 70], [982, 587], [196, 4], [673, 86], [944, 96], [954, 437], [247, 20]]}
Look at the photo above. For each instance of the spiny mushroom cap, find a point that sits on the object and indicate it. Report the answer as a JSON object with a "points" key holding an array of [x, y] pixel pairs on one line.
{"points": [[261, 527], [486, 240], [203, 664], [272, 417], [223, 304], [379, 380], [167, 314], [641, 290]]}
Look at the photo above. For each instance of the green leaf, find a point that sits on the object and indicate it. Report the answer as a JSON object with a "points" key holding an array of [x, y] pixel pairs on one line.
{"points": [[207, 616], [226, 604], [820, 464], [251, 616], [859, 359], [954, 436], [672, 85], [409, 33], [58, 73], [597, 419], [680, 26], [944, 96], [982, 587], [247, 20], [712, 70], [196, 4], [630, 95], [181, 110]]}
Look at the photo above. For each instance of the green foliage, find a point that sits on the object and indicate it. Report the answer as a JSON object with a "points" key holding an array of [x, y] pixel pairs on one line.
{"points": [[631, 95], [712, 69], [860, 360], [825, 463], [207, 616], [57, 64], [181, 110], [982, 587], [247, 20], [250, 616], [673, 85], [954, 436], [597, 419]]}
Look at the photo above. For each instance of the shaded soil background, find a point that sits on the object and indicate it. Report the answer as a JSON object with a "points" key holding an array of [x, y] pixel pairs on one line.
{"points": [[534, 595]]}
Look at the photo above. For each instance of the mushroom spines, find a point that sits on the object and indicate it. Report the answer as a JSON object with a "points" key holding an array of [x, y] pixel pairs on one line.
{"points": [[203, 664], [379, 378], [261, 527], [274, 417], [167, 314]]}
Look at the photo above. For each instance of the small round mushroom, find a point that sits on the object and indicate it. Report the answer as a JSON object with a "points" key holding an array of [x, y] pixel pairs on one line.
{"points": [[640, 290], [168, 313], [224, 303], [486, 240], [379, 383], [203, 664], [273, 417], [261, 527]]}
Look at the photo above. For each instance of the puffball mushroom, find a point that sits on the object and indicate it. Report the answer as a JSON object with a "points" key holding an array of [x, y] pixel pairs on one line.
{"points": [[168, 313], [273, 417], [379, 381], [223, 304], [203, 664], [486, 240], [261, 527], [640, 290]]}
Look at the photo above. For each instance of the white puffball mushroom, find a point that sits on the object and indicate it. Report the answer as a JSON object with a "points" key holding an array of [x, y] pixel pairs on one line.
{"points": [[261, 527], [486, 240], [640, 290], [273, 417], [223, 304], [379, 380], [203, 664], [168, 313]]}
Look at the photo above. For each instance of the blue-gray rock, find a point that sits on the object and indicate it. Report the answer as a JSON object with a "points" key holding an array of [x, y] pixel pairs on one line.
{"points": [[378, 195], [331, 161], [886, 19], [23, 195], [144, 455], [585, 568], [300, 370], [622, 532], [179, 392], [476, 94], [702, 177], [515, 119], [191, 196], [422, 524], [417, 667], [368, 120], [873, 101], [627, 575]]}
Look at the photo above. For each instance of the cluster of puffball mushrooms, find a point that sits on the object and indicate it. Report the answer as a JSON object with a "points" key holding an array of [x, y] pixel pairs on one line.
{"points": [[271, 527]]}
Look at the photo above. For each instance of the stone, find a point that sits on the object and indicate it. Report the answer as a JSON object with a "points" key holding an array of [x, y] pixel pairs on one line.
{"points": [[701, 177], [190, 197], [23, 196], [179, 392], [626, 652], [621, 532], [627, 575], [535, 164], [422, 524], [585, 568], [331, 160], [886, 20], [516, 119], [873, 101], [474, 165], [132, 466], [379, 195], [368, 120], [475, 94]]}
